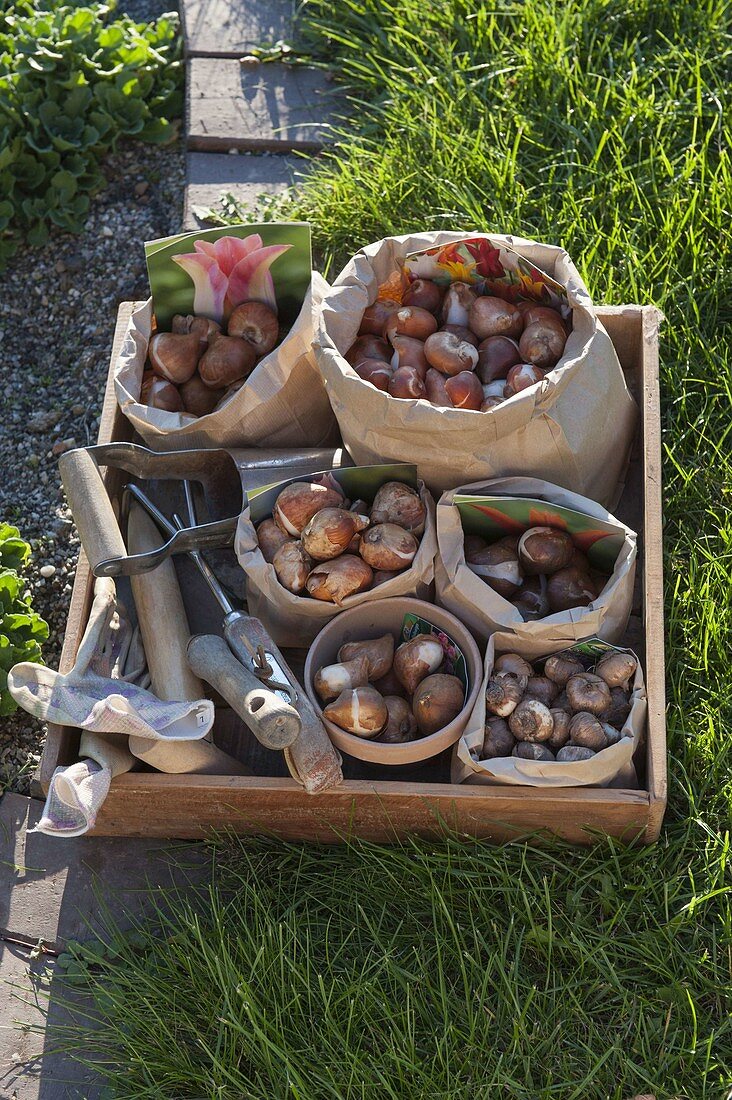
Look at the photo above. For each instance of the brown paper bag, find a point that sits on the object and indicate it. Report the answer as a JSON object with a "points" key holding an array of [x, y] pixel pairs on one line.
{"points": [[282, 404], [612, 766], [481, 608], [296, 620], [574, 429]]}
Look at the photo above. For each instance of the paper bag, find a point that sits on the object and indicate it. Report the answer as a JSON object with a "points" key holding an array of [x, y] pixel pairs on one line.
{"points": [[481, 608], [575, 428], [283, 402]]}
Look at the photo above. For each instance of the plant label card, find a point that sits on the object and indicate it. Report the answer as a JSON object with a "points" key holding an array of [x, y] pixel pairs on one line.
{"points": [[494, 517], [210, 271], [357, 482]]}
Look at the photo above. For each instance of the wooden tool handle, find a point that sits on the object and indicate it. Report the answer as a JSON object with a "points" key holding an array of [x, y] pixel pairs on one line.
{"points": [[186, 757], [274, 723], [91, 507]]}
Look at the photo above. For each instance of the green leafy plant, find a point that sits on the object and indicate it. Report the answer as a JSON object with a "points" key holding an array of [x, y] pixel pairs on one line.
{"points": [[72, 84], [21, 628]]}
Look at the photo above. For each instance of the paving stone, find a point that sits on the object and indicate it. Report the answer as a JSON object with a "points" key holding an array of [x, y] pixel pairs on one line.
{"points": [[220, 28], [58, 890], [272, 107], [245, 176]]}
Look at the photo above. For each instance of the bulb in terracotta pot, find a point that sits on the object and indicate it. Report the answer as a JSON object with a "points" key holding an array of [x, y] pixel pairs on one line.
{"points": [[456, 304], [569, 588], [360, 711], [174, 357], [398, 503], [226, 360], [463, 332], [415, 659], [424, 293], [531, 600], [542, 345], [330, 532], [198, 398], [437, 701], [331, 680], [375, 316], [408, 352], [490, 316], [389, 685], [378, 653], [334, 581], [388, 546], [434, 384], [376, 372], [270, 537], [465, 391], [499, 567], [256, 323], [497, 739], [292, 566], [588, 692], [617, 669], [531, 721], [368, 347], [406, 383], [410, 321], [449, 354], [299, 502], [401, 725], [164, 395], [544, 550], [496, 356]]}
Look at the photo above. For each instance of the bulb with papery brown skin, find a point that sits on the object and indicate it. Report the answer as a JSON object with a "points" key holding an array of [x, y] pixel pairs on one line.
{"points": [[542, 345], [331, 680], [619, 709], [531, 600], [378, 654], [545, 550], [503, 693], [499, 567], [292, 565], [541, 688], [531, 721], [330, 532], [368, 347], [389, 685], [560, 733], [226, 360], [497, 739], [413, 660], [148, 377], [456, 304], [406, 383], [198, 398], [588, 692], [573, 754], [463, 332], [617, 669], [410, 321], [375, 316], [401, 725], [205, 329], [521, 377], [496, 356], [409, 352], [437, 701], [398, 503], [388, 546], [531, 750], [334, 581], [181, 324], [569, 588], [473, 544], [256, 323], [533, 314], [270, 537], [465, 391], [490, 316], [381, 576], [449, 354], [561, 667], [434, 384], [360, 711], [585, 730], [174, 357], [299, 502], [376, 372], [512, 664], [424, 293], [490, 403], [164, 395]]}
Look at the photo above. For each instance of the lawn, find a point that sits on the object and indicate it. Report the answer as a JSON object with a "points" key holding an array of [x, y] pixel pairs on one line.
{"points": [[460, 970]]}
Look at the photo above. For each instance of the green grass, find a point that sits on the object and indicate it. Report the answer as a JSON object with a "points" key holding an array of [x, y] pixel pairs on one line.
{"points": [[461, 970]]}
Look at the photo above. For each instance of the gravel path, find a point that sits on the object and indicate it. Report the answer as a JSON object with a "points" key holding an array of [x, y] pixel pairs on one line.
{"points": [[57, 314]]}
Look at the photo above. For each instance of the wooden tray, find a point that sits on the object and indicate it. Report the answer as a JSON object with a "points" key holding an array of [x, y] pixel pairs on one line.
{"points": [[419, 801]]}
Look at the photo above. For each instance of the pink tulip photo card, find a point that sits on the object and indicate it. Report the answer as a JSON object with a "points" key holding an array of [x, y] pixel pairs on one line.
{"points": [[210, 271]]}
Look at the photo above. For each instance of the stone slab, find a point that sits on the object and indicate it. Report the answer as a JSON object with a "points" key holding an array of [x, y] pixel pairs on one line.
{"points": [[247, 176], [220, 28], [273, 107], [58, 890]]}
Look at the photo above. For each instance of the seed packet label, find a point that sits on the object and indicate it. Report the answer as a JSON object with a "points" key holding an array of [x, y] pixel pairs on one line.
{"points": [[454, 665], [495, 517], [493, 269], [356, 482], [211, 271]]}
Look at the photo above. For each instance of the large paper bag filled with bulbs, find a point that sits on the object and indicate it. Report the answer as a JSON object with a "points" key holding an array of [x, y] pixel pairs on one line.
{"points": [[221, 355], [519, 555], [495, 365], [568, 718], [317, 545]]}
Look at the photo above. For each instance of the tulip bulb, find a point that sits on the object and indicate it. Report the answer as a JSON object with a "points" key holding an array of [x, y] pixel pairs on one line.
{"points": [[415, 659], [437, 700], [448, 354], [568, 588], [330, 532], [368, 347], [270, 537], [376, 372], [491, 316], [336, 580], [456, 304], [227, 359], [299, 502], [388, 546], [292, 565], [198, 398], [465, 390], [398, 503], [617, 669], [499, 567], [542, 345], [164, 395], [410, 321], [588, 692], [545, 550], [407, 383], [424, 293], [401, 725], [256, 323], [378, 653], [360, 711], [174, 357], [375, 316], [331, 680]]}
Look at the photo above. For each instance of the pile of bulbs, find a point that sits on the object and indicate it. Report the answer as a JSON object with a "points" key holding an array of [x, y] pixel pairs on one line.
{"points": [[456, 347], [323, 546], [390, 696], [197, 365], [566, 713], [540, 573]]}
